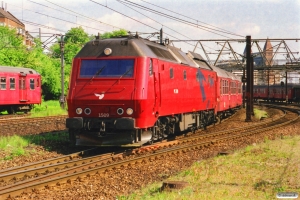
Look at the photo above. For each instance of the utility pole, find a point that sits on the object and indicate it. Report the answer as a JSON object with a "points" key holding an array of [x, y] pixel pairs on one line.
{"points": [[40, 34], [249, 88], [286, 89], [62, 97]]}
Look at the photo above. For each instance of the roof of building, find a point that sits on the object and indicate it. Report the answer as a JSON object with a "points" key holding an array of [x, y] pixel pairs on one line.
{"points": [[268, 45], [8, 15]]}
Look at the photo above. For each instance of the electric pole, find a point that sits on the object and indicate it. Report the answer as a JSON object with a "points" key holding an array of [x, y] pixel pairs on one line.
{"points": [[62, 97]]}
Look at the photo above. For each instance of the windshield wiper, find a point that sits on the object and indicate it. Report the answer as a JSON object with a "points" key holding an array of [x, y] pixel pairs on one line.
{"points": [[97, 73], [126, 72]]}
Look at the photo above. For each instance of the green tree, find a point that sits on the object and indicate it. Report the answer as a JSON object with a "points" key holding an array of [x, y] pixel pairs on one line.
{"points": [[74, 40], [12, 50], [117, 33], [48, 67], [14, 53]]}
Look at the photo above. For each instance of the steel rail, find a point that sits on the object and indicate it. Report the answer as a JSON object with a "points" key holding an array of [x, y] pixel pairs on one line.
{"points": [[67, 161], [98, 167]]}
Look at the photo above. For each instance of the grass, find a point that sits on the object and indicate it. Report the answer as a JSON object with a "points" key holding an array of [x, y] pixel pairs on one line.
{"points": [[14, 146], [48, 108], [260, 113], [256, 172]]}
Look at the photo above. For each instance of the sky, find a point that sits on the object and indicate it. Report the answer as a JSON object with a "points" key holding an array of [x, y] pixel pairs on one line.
{"points": [[259, 19]]}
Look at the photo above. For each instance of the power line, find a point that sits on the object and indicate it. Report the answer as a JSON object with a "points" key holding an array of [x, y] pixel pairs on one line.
{"points": [[159, 23], [61, 19], [84, 15], [188, 17], [123, 14], [208, 29]]}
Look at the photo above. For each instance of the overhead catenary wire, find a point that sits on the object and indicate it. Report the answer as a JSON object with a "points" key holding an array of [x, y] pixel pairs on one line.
{"points": [[158, 23], [205, 28], [123, 14], [189, 17], [84, 15], [61, 19]]}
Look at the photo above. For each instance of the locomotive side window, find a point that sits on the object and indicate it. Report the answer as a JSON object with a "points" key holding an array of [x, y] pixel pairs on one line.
{"points": [[121, 68], [32, 84], [184, 74], [3, 83], [171, 73], [12, 83], [150, 68]]}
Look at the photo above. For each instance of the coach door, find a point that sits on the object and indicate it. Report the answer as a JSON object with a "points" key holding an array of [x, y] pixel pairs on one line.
{"points": [[22, 88], [156, 76]]}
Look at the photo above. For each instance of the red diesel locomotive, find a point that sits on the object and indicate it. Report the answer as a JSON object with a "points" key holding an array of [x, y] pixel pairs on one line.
{"points": [[130, 90], [19, 89]]}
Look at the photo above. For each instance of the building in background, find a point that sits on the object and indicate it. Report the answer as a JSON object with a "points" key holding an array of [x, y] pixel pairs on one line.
{"points": [[8, 19]]}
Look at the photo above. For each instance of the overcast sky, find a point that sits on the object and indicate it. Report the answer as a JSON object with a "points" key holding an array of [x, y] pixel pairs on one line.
{"points": [[257, 18]]}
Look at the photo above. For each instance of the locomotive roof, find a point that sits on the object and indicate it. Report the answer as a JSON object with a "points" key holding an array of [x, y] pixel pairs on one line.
{"points": [[135, 46], [17, 70]]}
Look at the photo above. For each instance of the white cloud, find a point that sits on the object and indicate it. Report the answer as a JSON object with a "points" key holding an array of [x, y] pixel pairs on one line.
{"points": [[250, 29]]}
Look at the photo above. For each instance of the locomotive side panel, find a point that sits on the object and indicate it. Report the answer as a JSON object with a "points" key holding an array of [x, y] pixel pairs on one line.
{"points": [[161, 92]]}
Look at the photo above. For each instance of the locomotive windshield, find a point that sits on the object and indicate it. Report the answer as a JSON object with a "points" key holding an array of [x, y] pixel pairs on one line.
{"points": [[108, 68]]}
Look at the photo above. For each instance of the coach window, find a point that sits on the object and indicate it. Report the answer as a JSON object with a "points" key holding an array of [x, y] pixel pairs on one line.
{"points": [[221, 86], [3, 83], [150, 68], [171, 73], [12, 83], [32, 84], [184, 74]]}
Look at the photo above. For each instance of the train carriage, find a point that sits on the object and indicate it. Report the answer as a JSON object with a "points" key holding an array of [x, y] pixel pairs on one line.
{"points": [[277, 92], [19, 89], [131, 91]]}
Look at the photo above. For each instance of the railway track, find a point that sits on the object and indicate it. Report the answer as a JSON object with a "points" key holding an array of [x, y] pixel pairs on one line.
{"points": [[25, 126], [65, 170], [9, 117]]}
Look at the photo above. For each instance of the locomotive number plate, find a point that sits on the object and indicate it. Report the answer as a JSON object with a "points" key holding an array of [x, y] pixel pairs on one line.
{"points": [[103, 114]]}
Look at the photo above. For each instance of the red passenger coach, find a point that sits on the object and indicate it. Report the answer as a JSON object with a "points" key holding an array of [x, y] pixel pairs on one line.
{"points": [[130, 90], [19, 89], [277, 92]]}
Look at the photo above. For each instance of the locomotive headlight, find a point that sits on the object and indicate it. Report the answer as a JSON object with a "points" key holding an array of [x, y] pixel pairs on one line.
{"points": [[107, 51], [87, 111], [120, 111], [129, 111], [78, 111]]}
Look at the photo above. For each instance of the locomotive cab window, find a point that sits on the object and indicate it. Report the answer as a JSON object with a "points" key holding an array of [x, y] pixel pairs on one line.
{"points": [[150, 68], [32, 84], [171, 73], [120, 68], [184, 75], [12, 83], [3, 83], [197, 76]]}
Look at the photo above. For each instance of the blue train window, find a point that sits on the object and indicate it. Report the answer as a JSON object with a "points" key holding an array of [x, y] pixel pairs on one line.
{"points": [[3, 83], [121, 68]]}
